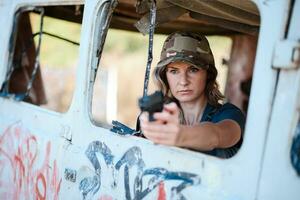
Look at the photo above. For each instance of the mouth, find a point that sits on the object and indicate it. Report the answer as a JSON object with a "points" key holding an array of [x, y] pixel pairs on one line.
{"points": [[185, 92]]}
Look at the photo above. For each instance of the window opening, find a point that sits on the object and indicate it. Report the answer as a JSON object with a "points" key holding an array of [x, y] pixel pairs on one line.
{"points": [[43, 53], [5, 87], [110, 102]]}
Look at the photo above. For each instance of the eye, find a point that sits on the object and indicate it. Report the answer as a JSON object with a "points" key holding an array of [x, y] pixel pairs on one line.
{"points": [[173, 71], [193, 69]]}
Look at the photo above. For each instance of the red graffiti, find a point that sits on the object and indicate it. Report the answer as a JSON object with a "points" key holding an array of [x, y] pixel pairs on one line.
{"points": [[24, 171], [105, 197], [161, 191]]}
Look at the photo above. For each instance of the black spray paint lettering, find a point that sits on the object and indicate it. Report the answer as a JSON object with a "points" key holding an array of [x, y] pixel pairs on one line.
{"points": [[89, 186], [92, 184]]}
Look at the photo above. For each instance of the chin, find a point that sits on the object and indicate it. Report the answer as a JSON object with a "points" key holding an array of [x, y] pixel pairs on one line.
{"points": [[185, 99]]}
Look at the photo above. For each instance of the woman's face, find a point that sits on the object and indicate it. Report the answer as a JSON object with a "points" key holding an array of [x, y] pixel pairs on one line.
{"points": [[187, 83]]}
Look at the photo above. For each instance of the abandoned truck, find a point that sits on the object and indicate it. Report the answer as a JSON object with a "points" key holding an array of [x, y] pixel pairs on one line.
{"points": [[73, 153]]}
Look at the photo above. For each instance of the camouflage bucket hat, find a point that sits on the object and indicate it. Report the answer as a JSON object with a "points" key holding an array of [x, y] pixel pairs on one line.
{"points": [[186, 47]]}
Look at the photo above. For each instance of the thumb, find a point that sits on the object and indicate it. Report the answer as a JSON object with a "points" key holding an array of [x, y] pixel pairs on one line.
{"points": [[172, 108]]}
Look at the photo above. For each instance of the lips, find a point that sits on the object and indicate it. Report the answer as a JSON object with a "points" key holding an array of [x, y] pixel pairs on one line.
{"points": [[185, 92]]}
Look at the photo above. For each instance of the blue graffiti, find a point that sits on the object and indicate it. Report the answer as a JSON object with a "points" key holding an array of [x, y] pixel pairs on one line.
{"points": [[132, 158]]}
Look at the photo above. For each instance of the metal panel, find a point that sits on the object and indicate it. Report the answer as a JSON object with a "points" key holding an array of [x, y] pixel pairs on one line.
{"points": [[287, 54], [277, 171]]}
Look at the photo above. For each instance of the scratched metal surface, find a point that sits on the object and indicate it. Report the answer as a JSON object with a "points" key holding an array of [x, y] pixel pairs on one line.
{"points": [[47, 155]]}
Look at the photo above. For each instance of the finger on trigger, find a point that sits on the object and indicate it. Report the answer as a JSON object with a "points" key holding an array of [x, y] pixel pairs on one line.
{"points": [[164, 116], [171, 107]]}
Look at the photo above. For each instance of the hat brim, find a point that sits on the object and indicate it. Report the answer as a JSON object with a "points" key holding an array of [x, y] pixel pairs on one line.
{"points": [[200, 64]]}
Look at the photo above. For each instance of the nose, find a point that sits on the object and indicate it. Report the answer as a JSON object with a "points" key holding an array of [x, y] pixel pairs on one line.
{"points": [[183, 79]]}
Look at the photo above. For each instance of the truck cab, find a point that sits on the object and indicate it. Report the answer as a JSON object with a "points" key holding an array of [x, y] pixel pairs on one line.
{"points": [[74, 152]]}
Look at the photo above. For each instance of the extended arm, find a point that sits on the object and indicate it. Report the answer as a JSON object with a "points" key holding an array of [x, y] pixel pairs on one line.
{"points": [[204, 136]]}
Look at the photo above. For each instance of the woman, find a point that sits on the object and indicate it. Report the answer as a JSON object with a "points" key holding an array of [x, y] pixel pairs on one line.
{"points": [[195, 118]]}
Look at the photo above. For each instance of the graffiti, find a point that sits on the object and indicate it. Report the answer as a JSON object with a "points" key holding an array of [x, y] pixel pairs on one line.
{"points": [[132, 160], [70, 175], [161, 192], [26, 173]]}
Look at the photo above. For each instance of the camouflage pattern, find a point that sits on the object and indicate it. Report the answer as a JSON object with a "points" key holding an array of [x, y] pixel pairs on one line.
{"points": [[187, 47]]}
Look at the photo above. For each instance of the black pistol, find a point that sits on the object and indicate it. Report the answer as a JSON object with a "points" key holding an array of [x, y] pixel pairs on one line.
{"points": [[152, 103]]}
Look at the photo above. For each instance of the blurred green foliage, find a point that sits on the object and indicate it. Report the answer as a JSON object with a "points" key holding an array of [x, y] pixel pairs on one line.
{"points": [[124, 41], [129, 42], [56, 53]]}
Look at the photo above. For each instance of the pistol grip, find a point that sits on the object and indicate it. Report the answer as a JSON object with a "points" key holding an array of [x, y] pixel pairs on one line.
{"points": [[151, 118]]}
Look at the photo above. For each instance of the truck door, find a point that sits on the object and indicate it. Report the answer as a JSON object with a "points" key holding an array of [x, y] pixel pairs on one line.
{"points": [[280, 167]]}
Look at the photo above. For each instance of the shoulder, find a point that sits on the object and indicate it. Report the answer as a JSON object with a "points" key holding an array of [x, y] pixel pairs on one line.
{"points": [[223, 112], [229, 111], [228, 107]]}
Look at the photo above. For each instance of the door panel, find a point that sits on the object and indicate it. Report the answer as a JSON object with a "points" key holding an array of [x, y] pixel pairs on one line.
{"points": [[277, 171], [30, 152]]}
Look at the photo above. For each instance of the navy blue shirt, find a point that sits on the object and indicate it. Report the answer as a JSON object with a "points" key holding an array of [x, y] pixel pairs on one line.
{"points": [[216, 114]]}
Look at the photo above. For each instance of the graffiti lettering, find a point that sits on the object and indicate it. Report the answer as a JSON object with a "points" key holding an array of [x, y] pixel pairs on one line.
{"points": [[132, 158], [21, 175]]}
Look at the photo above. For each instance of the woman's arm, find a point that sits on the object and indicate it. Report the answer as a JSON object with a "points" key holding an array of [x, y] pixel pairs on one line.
{"points": [[204, 136]]}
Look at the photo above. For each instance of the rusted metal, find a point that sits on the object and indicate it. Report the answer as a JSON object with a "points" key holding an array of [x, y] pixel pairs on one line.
{"points": [[240, 70], [170, 16], [226, 24], [164, 15], [231, 11], [22, 65], [68, 13], [150, 47]]}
